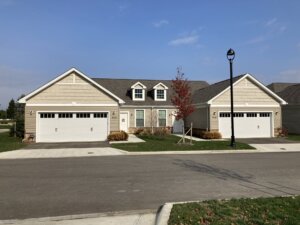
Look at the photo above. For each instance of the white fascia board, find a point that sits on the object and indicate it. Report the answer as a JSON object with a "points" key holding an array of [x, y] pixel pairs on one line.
{"points": [[256, 82], [160, 83], [282, 102], [71, 104], [138, 83], [148, 106], [23, 100]]}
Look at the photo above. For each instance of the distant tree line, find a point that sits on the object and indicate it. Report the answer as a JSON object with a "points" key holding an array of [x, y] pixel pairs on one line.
{"points": [[15, 111]]}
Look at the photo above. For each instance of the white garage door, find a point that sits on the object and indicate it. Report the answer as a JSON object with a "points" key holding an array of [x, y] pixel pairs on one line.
{"points": [[72, 126], [246, 124]]}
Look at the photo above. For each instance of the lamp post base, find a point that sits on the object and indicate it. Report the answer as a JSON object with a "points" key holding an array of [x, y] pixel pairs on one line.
{"points": [[233, 144]]}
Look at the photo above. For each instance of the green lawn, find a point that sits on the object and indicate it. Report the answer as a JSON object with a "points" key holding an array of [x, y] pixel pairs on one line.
{"points": [[169, 143], [294, 137], [277, 210], [9, 143]]}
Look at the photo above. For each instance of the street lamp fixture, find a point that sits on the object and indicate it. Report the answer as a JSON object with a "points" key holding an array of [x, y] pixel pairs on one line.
{"points": [[230, 57]]}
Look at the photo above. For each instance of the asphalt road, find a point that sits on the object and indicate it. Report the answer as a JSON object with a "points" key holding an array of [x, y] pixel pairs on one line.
{"points": [[66, 186]]}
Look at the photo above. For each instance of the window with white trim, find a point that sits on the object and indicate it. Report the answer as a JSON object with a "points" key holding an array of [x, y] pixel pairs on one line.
{"points": [[162, 118], [138, 91], [138, 94], [140, 118], [47, 115], [65, 115], [100, 115], [160, 94]]}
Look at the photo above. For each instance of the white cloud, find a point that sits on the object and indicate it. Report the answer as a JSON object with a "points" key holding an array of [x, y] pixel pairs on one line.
{"points": [[256, 40], [271, 22], [187, 40], [161, 23]]}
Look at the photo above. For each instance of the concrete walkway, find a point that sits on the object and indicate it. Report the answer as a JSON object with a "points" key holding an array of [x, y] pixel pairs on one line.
{"points": [[130, 218], [277, 147], [131, 139], [4, 130], [60, 153]]}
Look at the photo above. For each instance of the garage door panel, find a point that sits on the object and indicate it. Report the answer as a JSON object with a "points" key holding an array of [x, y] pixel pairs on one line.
{"points": [[78, 127], [251, 124]]}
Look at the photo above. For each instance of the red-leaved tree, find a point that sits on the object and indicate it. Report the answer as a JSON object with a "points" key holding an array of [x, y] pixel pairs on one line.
{"points": [[182, 96]]}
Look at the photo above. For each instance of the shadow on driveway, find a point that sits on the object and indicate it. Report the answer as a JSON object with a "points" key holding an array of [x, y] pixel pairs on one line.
{"points": [[67, 145]]}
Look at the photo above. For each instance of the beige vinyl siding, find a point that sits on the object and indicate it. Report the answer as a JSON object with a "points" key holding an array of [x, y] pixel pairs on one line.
{"points": [[246, 93], [151, 116], [291, 118], [69, 90], [199, 118], [214, 114], [31, 113]]}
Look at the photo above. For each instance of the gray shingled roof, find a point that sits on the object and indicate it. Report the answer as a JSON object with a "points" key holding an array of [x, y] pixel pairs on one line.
{"points": [[122, 88], [207, 93], [291, 94], [278, 87]]}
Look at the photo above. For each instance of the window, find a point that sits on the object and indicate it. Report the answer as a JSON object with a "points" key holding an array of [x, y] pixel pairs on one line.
{"points": [[162, 118], [238, 114], [100, 115], [139, 118], [251, 114], [65, 115], [83, 115], [160, 94], [138, 94], [47, 115], [224, 114], [264, 114]]}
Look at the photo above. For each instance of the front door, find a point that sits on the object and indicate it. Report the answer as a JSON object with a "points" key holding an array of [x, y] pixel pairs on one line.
{"points": [[124, 121]]}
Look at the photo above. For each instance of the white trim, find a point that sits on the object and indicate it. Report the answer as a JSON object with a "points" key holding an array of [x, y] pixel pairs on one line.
{"points": [[256, 111], [147, 106], [158, 99], [138, 83], [37, 125], [23, 100], [255, 81], [72, 104], [128, 119], [135, 117], [138, 99], [160, 83], [250, 106], [157, 113]]}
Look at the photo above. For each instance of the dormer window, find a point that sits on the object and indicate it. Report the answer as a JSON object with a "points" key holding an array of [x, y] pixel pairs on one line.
{"points": [[160, 92], [138, 91]]}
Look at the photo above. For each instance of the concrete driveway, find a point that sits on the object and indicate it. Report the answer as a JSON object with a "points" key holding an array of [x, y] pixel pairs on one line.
{"points": [[279, 140]]}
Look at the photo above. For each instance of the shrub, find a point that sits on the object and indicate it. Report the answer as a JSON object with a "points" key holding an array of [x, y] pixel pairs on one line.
{"points": [[143, 131], [118, 136], [282, 132], [210, 135], [19, 131], [161, 132]]}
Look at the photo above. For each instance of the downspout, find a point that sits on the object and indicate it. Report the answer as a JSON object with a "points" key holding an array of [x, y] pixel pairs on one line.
{"points": [[151, 119], [207, 119]]}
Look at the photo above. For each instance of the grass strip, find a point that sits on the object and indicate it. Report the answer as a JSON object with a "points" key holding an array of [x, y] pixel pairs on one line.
{"points": [[277, 210], [169, 143]]}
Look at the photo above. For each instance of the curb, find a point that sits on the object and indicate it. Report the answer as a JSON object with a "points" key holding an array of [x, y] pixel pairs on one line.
{"points": [[163, 214]]}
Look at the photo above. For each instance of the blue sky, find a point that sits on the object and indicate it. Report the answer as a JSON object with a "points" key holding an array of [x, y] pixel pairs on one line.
{"points": [[41, 39]]}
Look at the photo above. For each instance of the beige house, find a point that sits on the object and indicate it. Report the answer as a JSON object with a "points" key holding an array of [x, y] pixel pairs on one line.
{"points": [[74, 107], [290, 92], [257, 110]]}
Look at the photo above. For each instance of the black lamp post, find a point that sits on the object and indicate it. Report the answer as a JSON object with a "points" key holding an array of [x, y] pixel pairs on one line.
{"points": [[230, 57]]}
